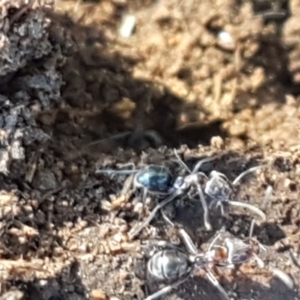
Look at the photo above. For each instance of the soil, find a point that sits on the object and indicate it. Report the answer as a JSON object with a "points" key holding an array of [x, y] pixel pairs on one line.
{"points": [[205, 77]]}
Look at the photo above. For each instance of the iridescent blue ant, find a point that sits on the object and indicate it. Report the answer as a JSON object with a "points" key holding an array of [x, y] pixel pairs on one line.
{"points": [[156, 179]]}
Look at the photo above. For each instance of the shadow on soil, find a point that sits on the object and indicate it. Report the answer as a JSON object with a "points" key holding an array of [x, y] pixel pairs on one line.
{"points": [[65, 286], [97, 78]]}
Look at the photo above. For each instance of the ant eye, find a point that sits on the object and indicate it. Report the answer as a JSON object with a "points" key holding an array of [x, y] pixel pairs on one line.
{"points": [[199, 261]]}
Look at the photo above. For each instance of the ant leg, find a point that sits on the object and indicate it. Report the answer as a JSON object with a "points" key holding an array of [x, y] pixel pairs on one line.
{"points": [[144, 196], [212, 203], [214, 241], [188, 241], [203, 161], [160, 205], [127, 185], [151, 246], [253, 169], [205, 208], [221, 205], [223, 213], [168, 288], [125, 194], [116, 172], [216, 283], [250, 207], [259, 261], [261, 247], [126, 165], [251, 228], [180, 161], [166, 218], [285, 278], [184, 236], [201, 174]]}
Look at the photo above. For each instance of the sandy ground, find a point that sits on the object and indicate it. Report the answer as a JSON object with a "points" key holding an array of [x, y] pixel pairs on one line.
{"points": [[220, 77]]}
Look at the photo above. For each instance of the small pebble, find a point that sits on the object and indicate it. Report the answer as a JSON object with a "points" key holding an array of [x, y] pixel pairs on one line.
{"points": [[98, 295], [217, 142], [124, 108], [44, 180], [226, 41], [127, 26], [12, 295]]}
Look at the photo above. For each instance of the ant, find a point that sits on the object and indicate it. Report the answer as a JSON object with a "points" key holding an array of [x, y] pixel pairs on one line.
{"points": [[158, 180], [217, 187], [173, 265]]}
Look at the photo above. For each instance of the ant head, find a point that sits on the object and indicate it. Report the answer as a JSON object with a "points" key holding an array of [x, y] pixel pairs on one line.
{"points": [[238, 251], [217, 187], [200, 261], [179, 183]]}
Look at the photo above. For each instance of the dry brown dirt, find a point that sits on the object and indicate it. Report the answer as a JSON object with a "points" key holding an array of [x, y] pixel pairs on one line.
{"points": [[173, 82]]}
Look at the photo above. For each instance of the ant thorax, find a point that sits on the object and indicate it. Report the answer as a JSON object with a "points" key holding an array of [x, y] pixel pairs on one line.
{"points": [[218, 187], [180, 184], [217, 256], [239, 251]]}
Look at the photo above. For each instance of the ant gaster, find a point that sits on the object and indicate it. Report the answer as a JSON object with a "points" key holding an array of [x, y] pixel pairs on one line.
{"points": [[172, 264]]}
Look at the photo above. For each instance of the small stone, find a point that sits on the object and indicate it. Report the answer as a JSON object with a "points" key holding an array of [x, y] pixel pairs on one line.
{"points": [[106, 205], [118, 237], [217, 142], [127, 27], [44, 180], [124, 108], [226, 41], [12, 295], [98, 295], [287, 182]]}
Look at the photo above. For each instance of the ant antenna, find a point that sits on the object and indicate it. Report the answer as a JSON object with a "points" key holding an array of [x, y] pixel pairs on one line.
{"points": [[203, 161], [181, 162], [253, 169]]}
